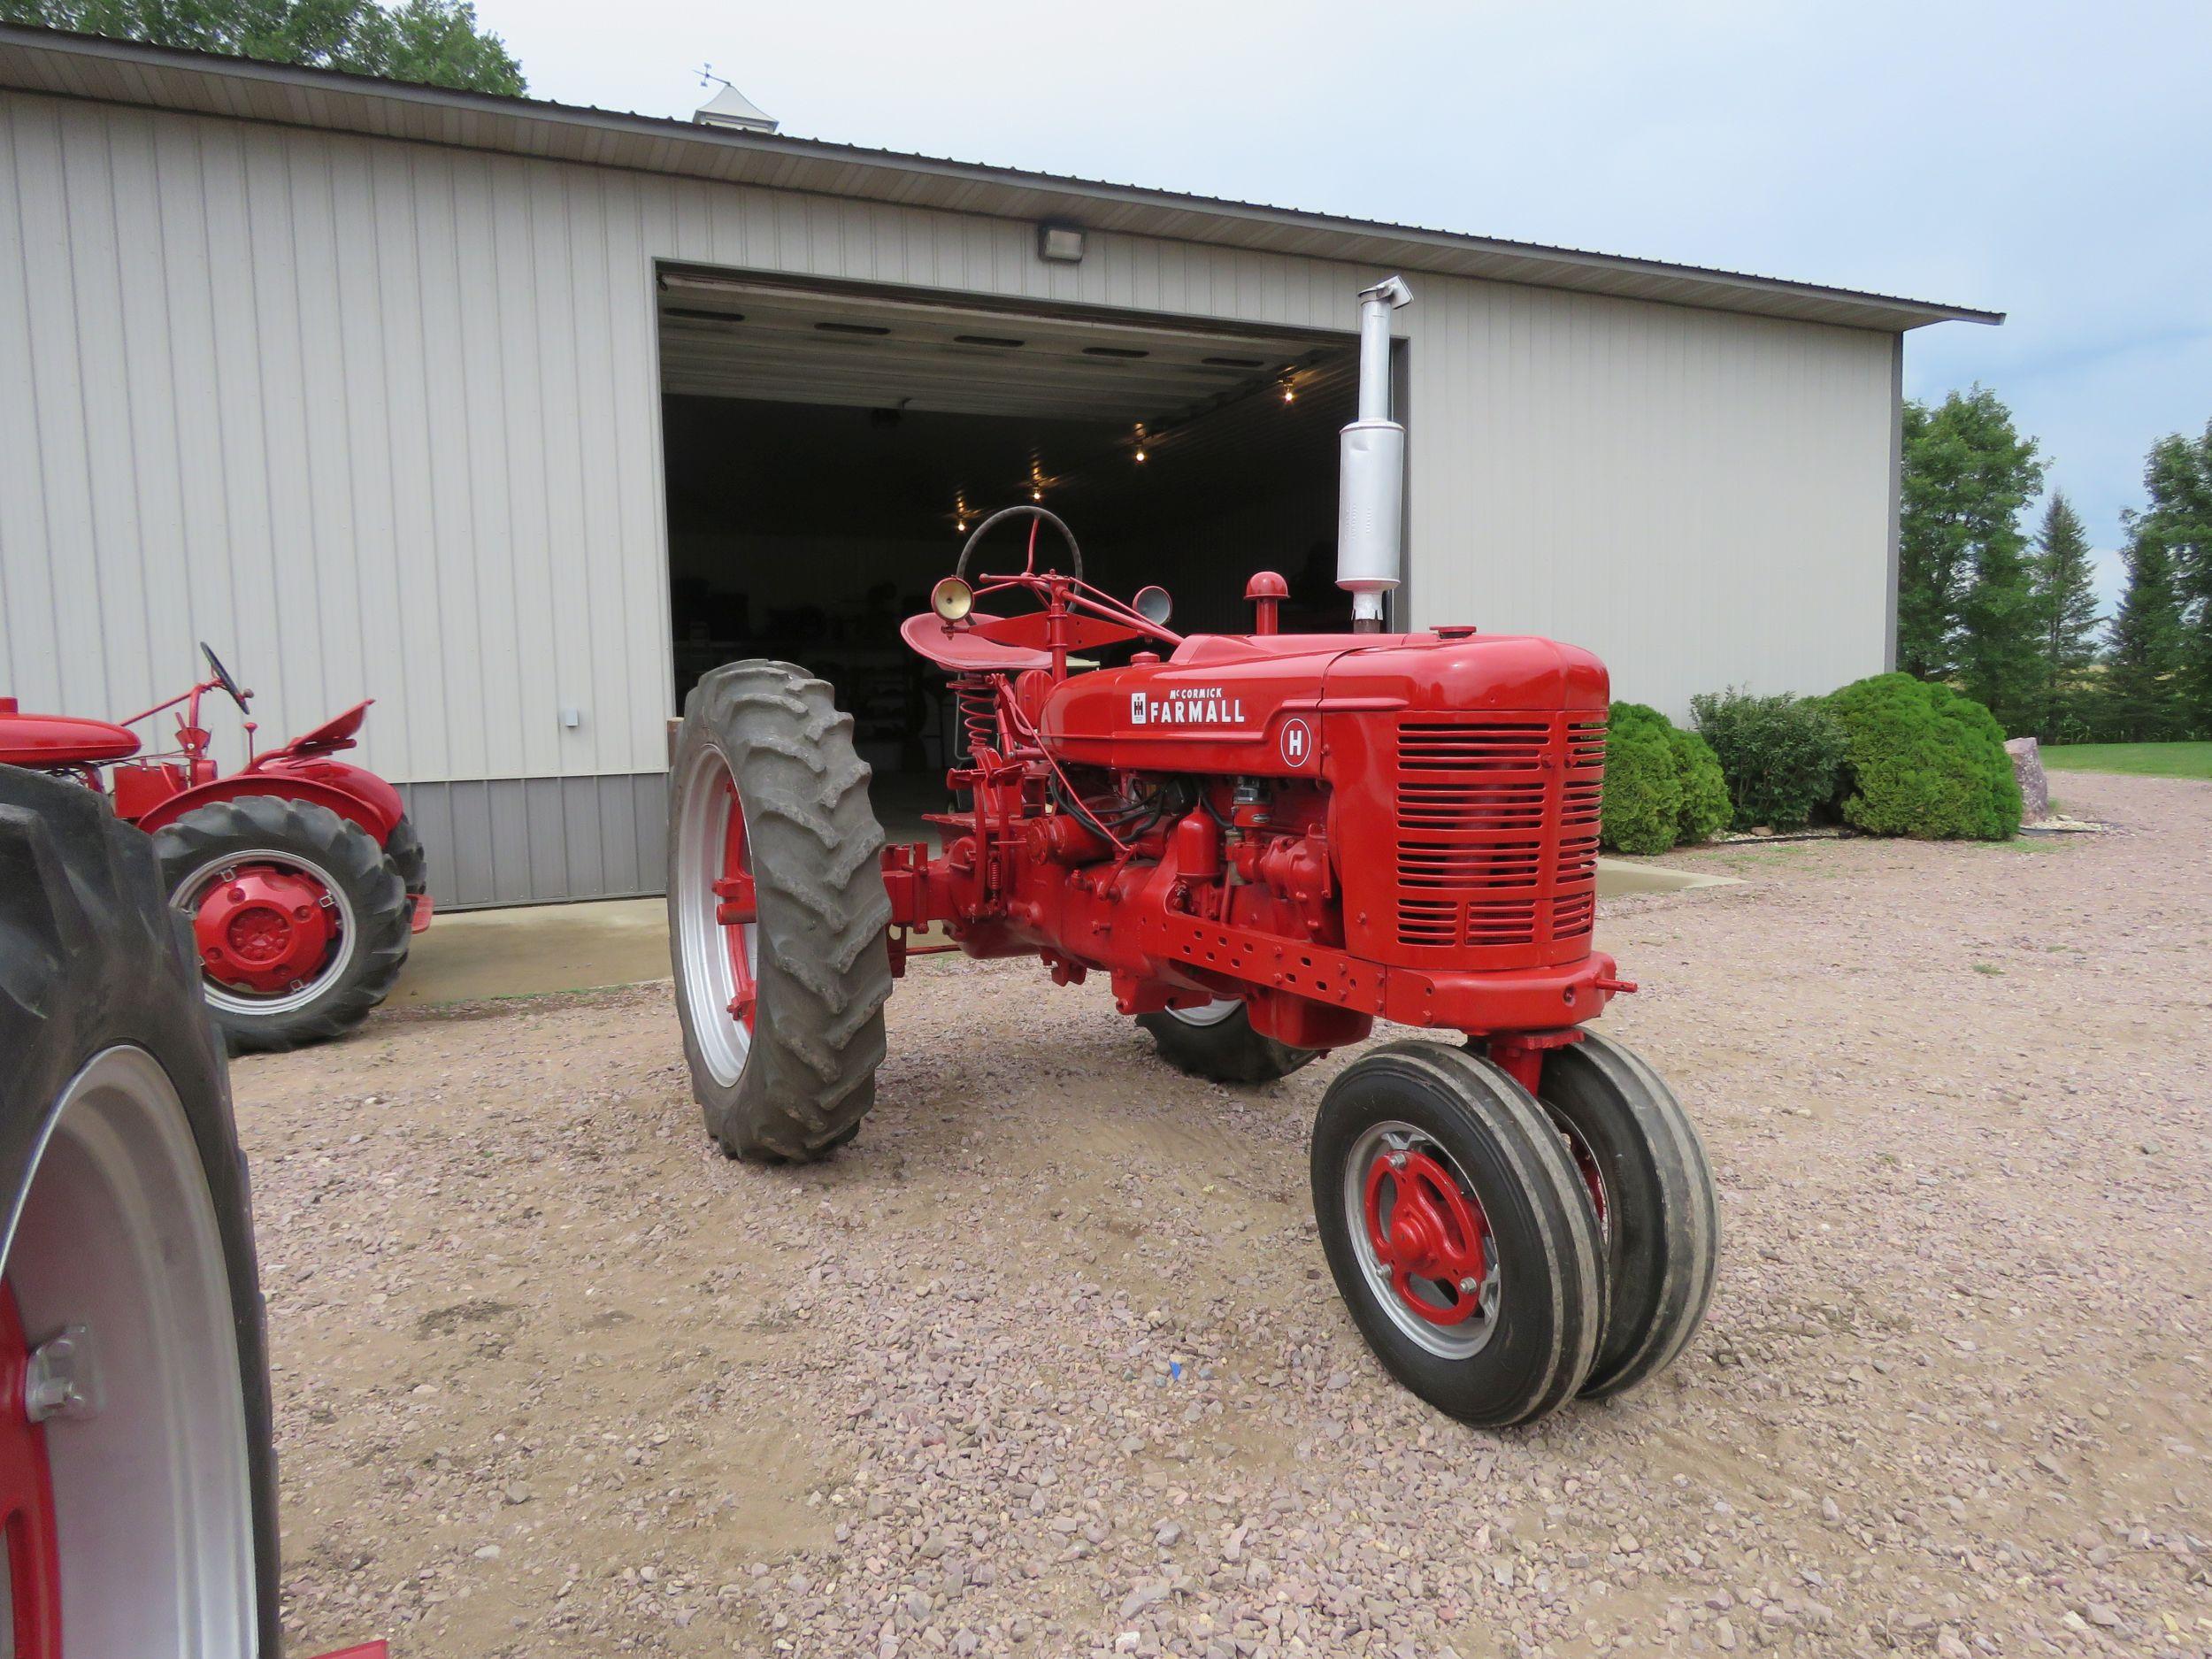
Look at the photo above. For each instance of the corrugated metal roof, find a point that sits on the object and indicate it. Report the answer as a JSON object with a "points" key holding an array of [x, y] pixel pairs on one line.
{"points": [[118, 72]]}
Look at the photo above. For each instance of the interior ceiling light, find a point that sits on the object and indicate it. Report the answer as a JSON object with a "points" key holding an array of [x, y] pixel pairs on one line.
{"points": [[1140, 443], [1289, 386]]}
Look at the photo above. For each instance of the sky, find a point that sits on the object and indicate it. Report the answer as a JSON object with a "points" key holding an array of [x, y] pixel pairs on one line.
{"points": [[2049, 161]]}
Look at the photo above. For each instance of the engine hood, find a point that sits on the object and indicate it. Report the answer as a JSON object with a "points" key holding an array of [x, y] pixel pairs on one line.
{"points": [[60, 739]]}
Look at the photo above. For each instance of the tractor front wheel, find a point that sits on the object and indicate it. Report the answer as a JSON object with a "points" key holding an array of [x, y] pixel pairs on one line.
{"points": [[776, 913], [1658, 1218], [300, 923], [1217, 1041], [1458, 1232]]}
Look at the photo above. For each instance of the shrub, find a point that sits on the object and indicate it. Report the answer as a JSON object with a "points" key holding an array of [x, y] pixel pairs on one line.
{"points": [[1642, 809], [1923, 761], [1706, 809], [1777, 754]]}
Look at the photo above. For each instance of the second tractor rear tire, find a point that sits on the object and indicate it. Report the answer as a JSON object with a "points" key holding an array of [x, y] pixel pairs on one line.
{"points": [[335, 855], [1217, 1041], [783, 1015]]}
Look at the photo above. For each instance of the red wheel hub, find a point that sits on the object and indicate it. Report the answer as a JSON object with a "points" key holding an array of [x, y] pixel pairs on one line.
{"points": [[264, 926], [1429, 1234], [737, 909], [32, 1561]]}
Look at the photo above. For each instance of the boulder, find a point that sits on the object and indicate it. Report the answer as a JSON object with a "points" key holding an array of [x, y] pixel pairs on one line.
{"points": [[2035, 788]]}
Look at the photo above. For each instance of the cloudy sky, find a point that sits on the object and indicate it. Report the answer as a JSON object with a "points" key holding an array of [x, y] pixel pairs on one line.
{"points": [[2047, 160]]}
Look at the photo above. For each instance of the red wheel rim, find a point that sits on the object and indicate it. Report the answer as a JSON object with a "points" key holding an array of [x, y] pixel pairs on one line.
{"points": [[1429, 1232], [265, 928], [26, 1501], [736, 911]]}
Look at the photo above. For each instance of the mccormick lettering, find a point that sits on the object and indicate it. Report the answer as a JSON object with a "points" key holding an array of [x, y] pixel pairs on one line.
{"points": [[1187, 705]]}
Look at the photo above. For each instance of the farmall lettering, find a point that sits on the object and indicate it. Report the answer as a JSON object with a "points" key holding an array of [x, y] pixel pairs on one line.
{"points": [[1187, 705]]}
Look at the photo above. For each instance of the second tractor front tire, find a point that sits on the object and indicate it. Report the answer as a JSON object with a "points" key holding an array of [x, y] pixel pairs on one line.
{"points": [[1456, 1228], [776, 913], [300, 922]]}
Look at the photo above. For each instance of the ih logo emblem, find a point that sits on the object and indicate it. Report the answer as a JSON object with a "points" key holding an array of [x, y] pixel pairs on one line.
{"points": [[1297, 742], [1136, 707]]}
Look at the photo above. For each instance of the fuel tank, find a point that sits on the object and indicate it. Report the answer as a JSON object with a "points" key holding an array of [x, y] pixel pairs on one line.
{"points": [[1264, 705], [60, 739]]}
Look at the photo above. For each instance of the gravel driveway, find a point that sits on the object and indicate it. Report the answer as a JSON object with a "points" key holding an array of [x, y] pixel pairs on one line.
{"points": [[1048, 1362]]}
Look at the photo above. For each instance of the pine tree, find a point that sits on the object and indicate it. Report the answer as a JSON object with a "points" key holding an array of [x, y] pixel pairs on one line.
{"points": [[2140, 699], [1963, 599], [2178, 478], [2063, 604]]}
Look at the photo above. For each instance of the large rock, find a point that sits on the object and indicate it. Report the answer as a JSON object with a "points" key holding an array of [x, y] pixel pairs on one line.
{"points": [[2035, 788]]}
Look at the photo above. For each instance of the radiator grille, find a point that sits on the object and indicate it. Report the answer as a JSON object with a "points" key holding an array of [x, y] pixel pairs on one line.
{"points": [[1497, 831]]}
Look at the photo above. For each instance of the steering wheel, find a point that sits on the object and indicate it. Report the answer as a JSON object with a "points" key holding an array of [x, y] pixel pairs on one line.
{"points": [[1021, 510], [223, 679]]}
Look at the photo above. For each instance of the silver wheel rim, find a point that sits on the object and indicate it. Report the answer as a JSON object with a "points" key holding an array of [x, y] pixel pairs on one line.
{"points": [[1211, 1014], [703, 979], [1446, 1341], [153, 1496], [232, 999]]}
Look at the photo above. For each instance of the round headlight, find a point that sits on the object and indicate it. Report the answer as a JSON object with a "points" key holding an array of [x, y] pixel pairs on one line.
{"points": [[952, 599], [1154, 605]]}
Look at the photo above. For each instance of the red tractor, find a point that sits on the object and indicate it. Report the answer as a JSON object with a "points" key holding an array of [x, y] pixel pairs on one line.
{"points": [[1265, 841], [300, 875]]}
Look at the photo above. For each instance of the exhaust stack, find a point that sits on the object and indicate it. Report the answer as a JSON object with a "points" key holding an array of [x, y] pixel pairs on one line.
{"points": [[1371, 451]]}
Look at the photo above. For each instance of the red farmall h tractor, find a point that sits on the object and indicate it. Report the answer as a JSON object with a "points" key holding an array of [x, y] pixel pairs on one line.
{"points": [[300, 875], [1266, 842]]}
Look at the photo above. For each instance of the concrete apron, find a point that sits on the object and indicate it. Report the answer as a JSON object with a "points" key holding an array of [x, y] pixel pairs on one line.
{"points": [[537, 949]]}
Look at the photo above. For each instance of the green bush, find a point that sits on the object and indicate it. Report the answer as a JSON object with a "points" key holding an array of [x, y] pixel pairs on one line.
{"points": [[1642, 809], [1925, 762], [1778, 755], [1706, 809]]}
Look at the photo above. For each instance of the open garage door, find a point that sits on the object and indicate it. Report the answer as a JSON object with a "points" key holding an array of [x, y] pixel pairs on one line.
{"points": [[827, 449]]}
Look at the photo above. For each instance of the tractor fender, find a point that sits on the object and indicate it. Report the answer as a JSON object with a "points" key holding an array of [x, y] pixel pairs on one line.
{"points": [[382, 800], [286, 786]]}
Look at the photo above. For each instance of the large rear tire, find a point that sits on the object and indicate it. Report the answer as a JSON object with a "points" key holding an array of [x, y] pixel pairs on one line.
{"points": [[301, 925], [1458, 1232], [403, 847], [128, 1215], [1659, 1219], [1217, 1041], [776, 913]]}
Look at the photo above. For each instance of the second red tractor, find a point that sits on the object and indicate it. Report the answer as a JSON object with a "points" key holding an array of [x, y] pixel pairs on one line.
{"points": [[300, 874]]}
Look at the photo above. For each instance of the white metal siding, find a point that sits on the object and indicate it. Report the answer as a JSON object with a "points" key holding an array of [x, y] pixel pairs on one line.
{"points": [[382, 419]]}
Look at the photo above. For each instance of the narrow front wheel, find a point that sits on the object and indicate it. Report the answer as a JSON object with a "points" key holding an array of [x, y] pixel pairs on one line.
{"points": [[1458, 1233]]}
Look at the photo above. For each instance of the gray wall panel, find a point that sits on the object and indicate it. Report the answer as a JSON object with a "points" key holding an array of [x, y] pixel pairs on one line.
{"points": [[540, 841]]}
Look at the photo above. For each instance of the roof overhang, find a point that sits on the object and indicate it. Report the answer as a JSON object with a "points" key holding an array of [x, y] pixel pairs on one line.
{"points": [[91, 67]]}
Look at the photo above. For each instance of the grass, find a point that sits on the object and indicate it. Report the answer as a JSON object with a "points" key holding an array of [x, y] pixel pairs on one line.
{"points": [[2145, 760]]}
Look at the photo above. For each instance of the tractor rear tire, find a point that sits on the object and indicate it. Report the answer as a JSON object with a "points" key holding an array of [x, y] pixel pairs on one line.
{"points": [[337, 856], [119, 1162], [1458, 1232], [1217, 1041], [403, 847], [765, 742], [1661, 1227]]}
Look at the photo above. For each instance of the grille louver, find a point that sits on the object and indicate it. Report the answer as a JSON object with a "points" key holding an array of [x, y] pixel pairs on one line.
{"points": [[1497, 831]]}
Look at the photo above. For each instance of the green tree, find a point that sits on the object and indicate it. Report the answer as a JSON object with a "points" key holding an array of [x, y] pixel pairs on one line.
{"points": [[2140, 699], [434, 42], [2178, 478], [2064, 604], [1961, 580]]}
